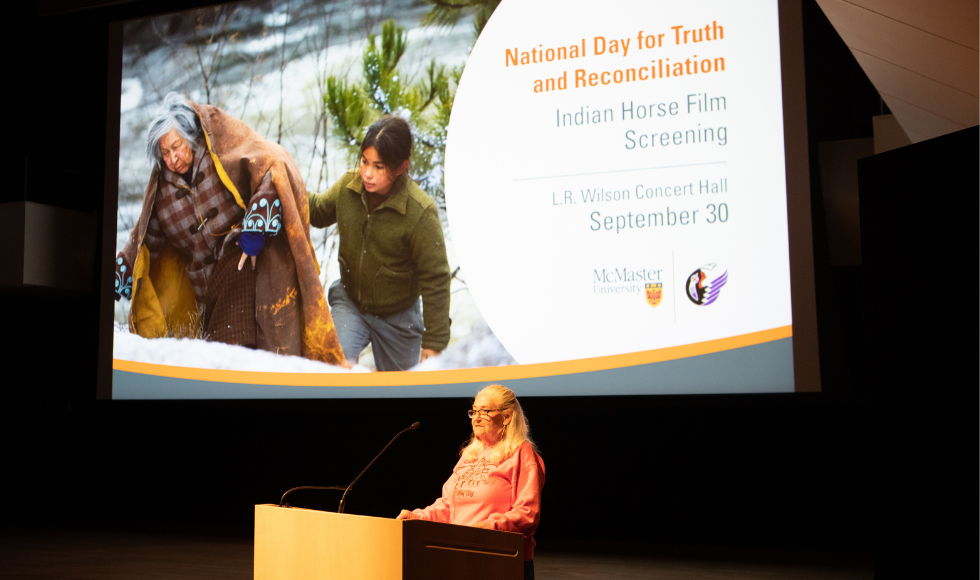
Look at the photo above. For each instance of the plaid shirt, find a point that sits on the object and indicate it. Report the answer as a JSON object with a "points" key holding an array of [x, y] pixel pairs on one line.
{"points": [[197, 218]]}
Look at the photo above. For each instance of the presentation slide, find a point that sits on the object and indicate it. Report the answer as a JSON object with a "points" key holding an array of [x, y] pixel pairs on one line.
{"points": [[594, 202], [615, 178]]}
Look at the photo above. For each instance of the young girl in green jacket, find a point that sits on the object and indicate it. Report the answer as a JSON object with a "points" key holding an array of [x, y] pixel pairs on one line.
{"points": [[393, 290]]}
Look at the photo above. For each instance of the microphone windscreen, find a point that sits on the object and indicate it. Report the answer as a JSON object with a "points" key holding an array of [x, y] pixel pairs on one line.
{"points": [[416, 425]]}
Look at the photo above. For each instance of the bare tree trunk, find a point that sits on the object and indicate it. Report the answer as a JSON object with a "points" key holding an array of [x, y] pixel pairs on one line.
{"points": [[323, 176], [211, 70], [282, 69], [248, 90], [324, 167]]}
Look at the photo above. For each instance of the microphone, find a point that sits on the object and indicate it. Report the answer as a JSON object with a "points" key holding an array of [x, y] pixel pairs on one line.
{"points": [[412, 427], [282, 501]]}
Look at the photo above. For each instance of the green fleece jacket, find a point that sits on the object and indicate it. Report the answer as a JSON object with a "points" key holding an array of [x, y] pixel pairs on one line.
{"points": [[391, 256]]}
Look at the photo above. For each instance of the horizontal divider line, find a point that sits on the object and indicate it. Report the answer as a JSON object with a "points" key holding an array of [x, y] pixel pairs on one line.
{"points": [[621, 170]]}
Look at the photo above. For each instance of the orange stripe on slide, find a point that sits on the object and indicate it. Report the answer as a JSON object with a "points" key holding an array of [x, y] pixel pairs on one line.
{"points": [[402, 378]]}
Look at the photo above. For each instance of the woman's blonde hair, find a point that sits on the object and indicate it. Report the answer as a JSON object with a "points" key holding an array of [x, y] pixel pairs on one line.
{"points": [[512, 436]]}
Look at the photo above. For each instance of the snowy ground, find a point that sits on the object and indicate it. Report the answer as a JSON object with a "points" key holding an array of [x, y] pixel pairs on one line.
{"points": [[201, 354], [481, 349]]}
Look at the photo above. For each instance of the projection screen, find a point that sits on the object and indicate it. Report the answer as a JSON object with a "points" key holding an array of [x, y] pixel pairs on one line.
{"points": [[621, 190]]}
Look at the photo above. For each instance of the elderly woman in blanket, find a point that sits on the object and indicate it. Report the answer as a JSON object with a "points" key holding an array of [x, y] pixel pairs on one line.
{"points": [[222, 249]]}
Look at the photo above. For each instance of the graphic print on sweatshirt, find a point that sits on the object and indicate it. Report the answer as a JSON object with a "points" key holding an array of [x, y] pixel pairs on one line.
{"points": [[472, 475]]}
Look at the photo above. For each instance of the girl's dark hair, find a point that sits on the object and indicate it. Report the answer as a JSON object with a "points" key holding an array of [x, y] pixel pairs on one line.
{"points": [[392, 138]]}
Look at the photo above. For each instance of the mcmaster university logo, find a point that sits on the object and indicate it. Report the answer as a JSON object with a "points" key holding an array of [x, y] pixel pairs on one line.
{"points": [[654, 293], [705, 284]]}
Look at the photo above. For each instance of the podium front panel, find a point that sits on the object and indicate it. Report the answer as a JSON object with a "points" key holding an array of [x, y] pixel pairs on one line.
{"points": [[302, 544], [443, 551]]}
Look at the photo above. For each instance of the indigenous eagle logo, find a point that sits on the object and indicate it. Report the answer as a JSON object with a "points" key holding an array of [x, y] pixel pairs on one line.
{"points": [[654, 293], [705, 283]]}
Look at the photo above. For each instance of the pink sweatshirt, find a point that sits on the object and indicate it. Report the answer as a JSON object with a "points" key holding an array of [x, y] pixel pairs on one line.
{"points": [[506, 496]]}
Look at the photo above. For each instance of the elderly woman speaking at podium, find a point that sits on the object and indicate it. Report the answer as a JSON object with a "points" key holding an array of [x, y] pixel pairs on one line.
{"points": [[497, 482]]}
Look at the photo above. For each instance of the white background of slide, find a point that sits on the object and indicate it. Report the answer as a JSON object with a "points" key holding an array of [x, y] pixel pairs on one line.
{"points": [[533, 256]]}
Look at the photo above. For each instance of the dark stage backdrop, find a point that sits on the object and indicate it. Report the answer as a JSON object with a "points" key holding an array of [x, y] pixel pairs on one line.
{"points": [[792, 470], [763, 470], [919, 208]]}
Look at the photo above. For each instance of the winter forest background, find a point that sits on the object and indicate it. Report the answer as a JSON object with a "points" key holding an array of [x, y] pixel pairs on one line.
{"points": [[311, 75]]}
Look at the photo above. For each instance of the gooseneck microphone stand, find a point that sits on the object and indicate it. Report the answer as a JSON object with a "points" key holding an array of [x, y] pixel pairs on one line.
{"points": [[340, 508], [412, 427], [282, 501]]}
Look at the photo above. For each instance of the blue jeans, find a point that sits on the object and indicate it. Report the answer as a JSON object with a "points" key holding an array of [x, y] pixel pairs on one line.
{"points": [[395, 339]]}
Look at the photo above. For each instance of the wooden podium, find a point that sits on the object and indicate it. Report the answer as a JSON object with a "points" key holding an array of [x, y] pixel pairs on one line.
{"points": [[300, 544]]}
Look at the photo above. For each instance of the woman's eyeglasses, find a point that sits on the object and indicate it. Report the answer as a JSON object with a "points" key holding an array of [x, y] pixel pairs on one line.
{"points": [[485, 413]]}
